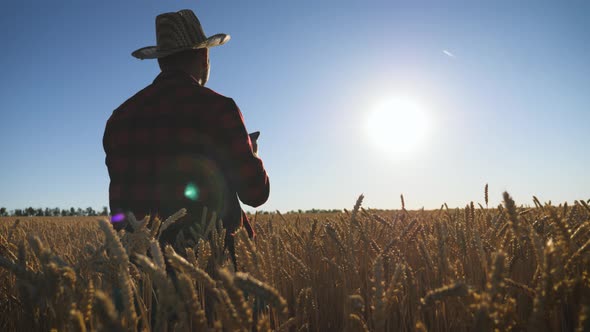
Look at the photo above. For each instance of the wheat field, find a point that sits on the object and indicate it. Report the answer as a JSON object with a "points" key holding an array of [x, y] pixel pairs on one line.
{"points": [[504, 268]]}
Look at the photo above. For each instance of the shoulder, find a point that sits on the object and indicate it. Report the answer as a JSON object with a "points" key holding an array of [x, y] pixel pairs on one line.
{"points": [[223, 103], [215, 95], [211, 92]]}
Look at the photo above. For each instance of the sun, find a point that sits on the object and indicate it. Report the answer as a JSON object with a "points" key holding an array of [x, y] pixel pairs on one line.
{"points": [[398, 127]]}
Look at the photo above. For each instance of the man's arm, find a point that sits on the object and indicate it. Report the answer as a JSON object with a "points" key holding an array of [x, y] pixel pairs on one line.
{"points": [[248, 174]]}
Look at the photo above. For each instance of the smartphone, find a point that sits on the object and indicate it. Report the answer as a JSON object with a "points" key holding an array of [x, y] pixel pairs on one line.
{"points": [[254, 135]]}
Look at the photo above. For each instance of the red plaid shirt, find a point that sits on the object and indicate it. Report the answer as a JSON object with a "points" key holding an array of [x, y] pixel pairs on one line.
{"points": [[177, 144]]}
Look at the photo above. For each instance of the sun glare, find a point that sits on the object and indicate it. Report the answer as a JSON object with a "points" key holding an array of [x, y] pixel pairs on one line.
{"points": [[398, 127]]}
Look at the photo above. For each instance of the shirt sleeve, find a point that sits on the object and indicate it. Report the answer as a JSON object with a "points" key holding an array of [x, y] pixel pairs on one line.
{"points": [[247, 170]]}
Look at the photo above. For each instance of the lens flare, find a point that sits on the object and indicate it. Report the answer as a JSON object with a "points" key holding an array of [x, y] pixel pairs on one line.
{"points": [[118, 217], [191, 191]]}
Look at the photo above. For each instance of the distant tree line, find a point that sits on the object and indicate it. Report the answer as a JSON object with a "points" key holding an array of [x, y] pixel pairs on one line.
{"points": [[53, 212], [300, 211], [316, 211], [90, 212]]}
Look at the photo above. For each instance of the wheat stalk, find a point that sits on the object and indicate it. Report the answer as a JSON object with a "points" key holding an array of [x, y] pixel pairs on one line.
{"points": [[171, 220]]}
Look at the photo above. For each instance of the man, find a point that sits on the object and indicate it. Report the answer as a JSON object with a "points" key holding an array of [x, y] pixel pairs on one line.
{"points": [[176, 144]]}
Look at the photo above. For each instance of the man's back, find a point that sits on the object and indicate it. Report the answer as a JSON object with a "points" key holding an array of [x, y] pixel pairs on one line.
{"points": [[178, 144]]}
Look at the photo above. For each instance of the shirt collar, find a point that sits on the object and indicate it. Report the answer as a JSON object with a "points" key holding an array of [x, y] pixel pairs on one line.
{"points": [[175, 75]]}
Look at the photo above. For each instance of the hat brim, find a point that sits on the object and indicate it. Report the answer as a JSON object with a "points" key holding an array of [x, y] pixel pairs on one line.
{"points": [[152, 52]]}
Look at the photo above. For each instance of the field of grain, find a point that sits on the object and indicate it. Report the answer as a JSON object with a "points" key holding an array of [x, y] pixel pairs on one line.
{"points": [[471, 269]]}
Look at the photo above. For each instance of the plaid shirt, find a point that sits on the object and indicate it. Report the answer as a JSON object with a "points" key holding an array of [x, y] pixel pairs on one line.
{"points": [[177, 144]]}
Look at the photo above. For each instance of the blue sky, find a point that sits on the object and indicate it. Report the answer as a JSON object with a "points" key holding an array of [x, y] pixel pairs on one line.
{"points": [[510, 107]]}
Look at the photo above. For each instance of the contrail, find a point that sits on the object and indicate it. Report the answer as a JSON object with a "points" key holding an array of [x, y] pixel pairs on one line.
{"points": [[448, 53]]}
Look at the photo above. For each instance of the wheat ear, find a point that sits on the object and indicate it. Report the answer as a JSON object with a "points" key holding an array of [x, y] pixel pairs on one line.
{"points": [[249, 284], [183, 265], [171, 220]]}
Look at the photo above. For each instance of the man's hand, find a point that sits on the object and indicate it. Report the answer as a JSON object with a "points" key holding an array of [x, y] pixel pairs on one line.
{"points": [[254, 140]]}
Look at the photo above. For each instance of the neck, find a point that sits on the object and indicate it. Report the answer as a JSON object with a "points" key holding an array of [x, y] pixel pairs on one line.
{"points": [[196, 74]]}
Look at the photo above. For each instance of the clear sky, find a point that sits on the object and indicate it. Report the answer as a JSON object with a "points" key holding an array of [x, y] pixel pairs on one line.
{"points": [[504, 86]]}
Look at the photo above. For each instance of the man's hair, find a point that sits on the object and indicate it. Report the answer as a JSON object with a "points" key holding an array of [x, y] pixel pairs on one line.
{"points": [[181, 59]]}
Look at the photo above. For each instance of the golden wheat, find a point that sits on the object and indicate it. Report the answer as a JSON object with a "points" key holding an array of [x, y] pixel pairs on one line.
{"points": [[505, 268]]}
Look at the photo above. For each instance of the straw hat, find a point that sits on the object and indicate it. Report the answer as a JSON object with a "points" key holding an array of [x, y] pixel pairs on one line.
{"points": [[177, 32]]}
